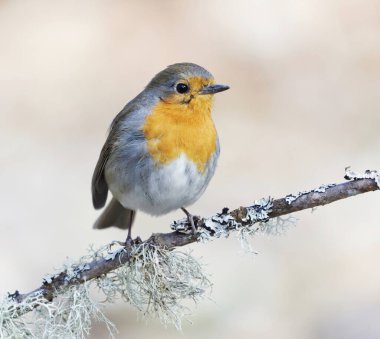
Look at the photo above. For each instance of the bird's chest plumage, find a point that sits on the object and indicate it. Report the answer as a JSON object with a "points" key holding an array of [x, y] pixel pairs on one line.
{"points": [[175, 129], [180, 154]]}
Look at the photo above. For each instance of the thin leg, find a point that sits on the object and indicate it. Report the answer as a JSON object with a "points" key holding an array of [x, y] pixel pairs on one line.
{"points": [[190, 218], [129, 236]]}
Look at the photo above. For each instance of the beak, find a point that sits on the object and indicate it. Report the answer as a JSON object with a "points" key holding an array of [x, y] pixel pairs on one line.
{"points": [[212, 89]]}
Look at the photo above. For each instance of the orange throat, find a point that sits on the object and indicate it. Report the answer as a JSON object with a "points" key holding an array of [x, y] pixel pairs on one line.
{"points": [[173, 129]]}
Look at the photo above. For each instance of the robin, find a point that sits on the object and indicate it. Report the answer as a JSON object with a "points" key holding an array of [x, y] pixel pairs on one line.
{"points": [[161, 150]]}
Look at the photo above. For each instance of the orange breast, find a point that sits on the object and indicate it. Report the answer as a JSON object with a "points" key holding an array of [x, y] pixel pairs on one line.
{"points": [[172, 129]]}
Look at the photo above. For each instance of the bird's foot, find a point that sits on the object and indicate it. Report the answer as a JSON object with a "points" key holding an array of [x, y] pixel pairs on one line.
{"points": [[192, 219], [129, 242]]}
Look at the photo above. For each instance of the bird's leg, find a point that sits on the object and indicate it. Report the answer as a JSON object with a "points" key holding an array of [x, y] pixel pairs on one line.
{"points": [[129, 240], [190, 219]]}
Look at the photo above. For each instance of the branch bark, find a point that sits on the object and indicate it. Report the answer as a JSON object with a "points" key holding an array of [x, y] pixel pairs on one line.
{"points": [[230, 220]]}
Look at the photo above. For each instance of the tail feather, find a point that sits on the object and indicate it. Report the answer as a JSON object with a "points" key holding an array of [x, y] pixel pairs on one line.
{"points": [[115, 215]]}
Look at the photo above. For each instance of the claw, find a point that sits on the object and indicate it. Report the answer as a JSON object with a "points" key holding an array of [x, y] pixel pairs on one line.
{"points": [[128, 244], [190, 219]]}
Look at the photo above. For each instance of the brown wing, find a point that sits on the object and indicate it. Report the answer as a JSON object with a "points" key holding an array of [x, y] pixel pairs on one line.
{"points": [[99, 185]]}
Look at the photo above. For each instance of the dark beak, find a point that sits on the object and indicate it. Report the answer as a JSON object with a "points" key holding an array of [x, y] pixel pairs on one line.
{"points": [[212, 89]]}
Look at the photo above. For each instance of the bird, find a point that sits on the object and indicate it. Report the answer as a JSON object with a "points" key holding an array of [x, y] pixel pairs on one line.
{"points": [[161, 150]]}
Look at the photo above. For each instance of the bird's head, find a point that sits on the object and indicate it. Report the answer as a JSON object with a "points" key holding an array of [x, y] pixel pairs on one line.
{"points": [[185, 84]]}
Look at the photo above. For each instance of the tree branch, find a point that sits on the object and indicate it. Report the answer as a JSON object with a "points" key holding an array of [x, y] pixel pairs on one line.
{"points": [[207, 228]]}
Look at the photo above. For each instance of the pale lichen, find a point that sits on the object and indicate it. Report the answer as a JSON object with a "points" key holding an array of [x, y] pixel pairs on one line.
{"points": [[290, 198], [278, 226], [222, 224], [11, 324], [368, 174], [155, 280], [255, 218], [69, 316]]}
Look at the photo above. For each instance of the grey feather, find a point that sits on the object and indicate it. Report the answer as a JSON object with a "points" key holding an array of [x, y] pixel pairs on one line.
{"points": [[115, 215], [99, 187]]}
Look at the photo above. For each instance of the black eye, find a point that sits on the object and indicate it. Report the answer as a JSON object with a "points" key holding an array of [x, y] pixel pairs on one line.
{"points": [[182, 88]]}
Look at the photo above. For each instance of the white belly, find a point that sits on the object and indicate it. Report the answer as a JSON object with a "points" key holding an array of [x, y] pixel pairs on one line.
{"points": [[166, 188]]}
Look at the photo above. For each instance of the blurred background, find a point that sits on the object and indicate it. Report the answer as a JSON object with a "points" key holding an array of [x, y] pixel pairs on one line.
{"points": [[303, 105]]}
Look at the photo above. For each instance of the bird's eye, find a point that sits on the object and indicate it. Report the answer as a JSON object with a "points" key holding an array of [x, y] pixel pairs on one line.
{"points": [[182, 88]]}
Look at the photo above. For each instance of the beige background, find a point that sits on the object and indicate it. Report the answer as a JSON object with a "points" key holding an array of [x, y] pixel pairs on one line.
{"points": [[303, 105]]}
